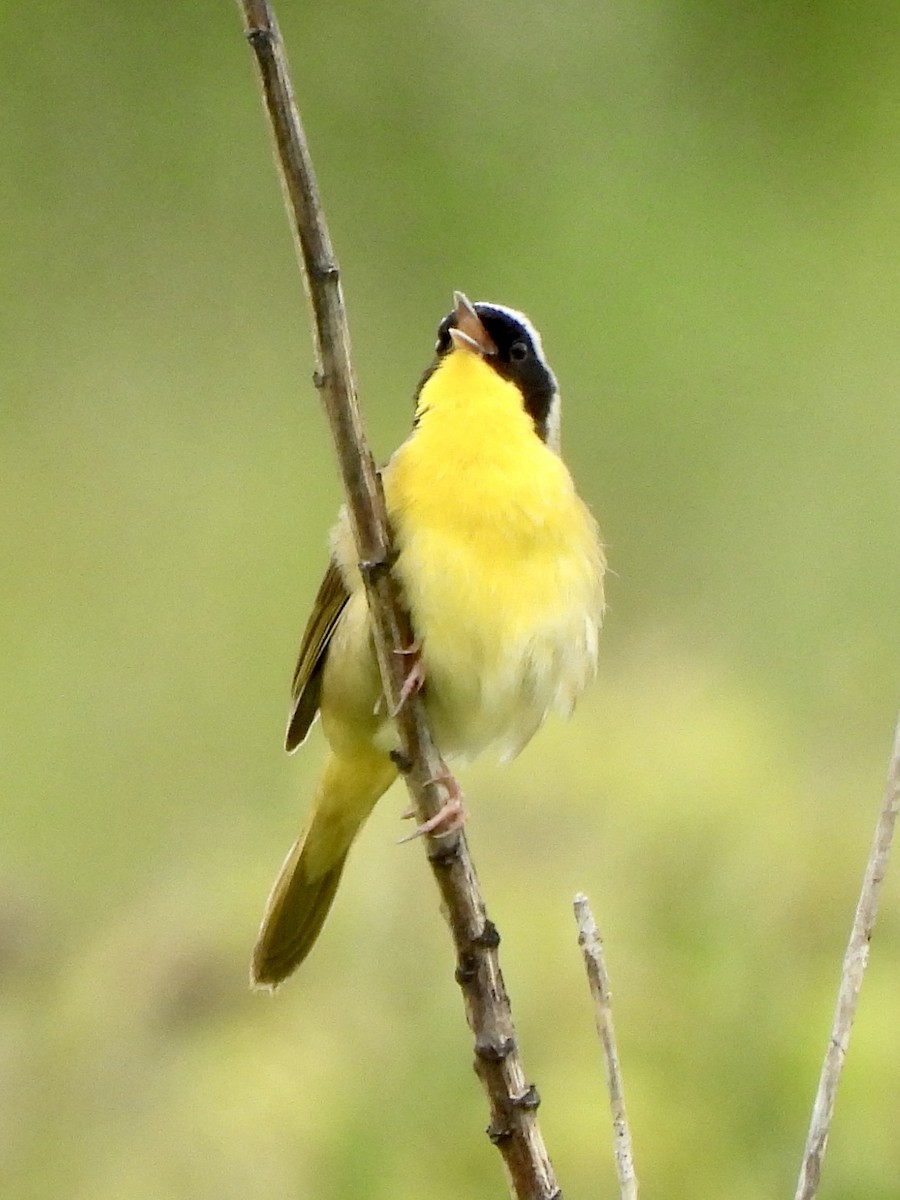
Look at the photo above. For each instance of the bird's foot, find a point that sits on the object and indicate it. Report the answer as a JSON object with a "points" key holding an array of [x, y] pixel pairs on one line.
{"points": [[450, 817], [415, 676]]}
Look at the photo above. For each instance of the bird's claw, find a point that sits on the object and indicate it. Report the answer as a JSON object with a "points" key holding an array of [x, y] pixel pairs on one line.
{"points": [[415, 677], [449, 818]]}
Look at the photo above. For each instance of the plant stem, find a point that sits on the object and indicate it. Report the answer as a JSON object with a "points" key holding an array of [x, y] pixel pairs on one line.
{"points": [[513, 1101], [856, 959]]}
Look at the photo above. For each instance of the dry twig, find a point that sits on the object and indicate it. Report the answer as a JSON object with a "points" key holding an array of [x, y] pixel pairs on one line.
{"points": [[513, 1128], [592, 948], [856, 959]]}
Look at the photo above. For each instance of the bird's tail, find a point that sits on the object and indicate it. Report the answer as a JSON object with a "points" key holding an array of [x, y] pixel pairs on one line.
{"points": [[306, 885]]}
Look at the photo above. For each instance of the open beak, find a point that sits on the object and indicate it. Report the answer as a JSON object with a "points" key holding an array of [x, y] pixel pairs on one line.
{"points": [[467, 332]]}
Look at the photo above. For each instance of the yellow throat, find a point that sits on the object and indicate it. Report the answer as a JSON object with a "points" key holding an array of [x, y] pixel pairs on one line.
{"points": [[500, 560]]}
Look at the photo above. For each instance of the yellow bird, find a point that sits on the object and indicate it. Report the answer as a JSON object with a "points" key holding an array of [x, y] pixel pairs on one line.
{"points": [[501, 568]]}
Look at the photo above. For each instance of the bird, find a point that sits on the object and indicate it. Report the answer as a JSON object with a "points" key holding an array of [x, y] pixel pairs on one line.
{"points": [[500, 565]]}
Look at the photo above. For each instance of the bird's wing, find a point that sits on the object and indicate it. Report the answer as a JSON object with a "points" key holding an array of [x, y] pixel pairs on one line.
{"points": [[307, 686]]}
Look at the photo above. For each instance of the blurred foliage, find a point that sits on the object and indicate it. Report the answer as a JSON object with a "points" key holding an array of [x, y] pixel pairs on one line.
{"points": [[697, 204]]}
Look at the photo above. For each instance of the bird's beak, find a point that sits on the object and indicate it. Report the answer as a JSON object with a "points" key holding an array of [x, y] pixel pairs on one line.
{"points": [[467, 332]]}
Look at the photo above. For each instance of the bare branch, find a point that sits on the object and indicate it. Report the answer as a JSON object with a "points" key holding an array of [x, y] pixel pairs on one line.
{"points": [[592, 948], [513, 1101], [856, 959]]}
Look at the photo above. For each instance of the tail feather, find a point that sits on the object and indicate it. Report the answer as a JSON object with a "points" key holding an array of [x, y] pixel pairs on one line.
{"points": [[294, 917], [307, 883]]}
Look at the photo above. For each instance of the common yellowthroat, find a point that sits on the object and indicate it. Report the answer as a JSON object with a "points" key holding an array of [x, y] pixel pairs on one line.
{"points": [[501, 567]]}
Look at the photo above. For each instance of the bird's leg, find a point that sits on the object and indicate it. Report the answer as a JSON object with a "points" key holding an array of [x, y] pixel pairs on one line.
{"points": [[450, 817], [415, 676]]}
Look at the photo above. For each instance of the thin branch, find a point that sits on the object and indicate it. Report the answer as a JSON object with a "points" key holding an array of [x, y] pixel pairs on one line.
{"points": [[592, 948], [513, 1101], [856, 959]]}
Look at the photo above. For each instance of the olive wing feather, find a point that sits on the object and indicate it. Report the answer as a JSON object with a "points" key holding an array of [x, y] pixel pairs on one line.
{"points": [[306, 690]]}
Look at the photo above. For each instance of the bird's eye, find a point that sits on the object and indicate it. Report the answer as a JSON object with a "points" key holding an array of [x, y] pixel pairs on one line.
{"points": [[518, 351]]}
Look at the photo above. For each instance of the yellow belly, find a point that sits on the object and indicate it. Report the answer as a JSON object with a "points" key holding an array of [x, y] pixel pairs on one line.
{"points": [[502, 569]]}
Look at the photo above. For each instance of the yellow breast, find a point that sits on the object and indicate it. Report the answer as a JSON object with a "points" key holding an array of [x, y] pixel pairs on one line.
{"points": [[499, 559]]}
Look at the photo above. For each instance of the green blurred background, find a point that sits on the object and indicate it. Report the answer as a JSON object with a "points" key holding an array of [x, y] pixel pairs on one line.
{"points": [[698, 205]]}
